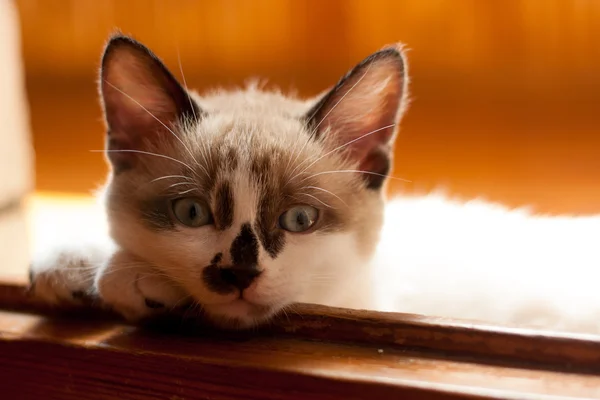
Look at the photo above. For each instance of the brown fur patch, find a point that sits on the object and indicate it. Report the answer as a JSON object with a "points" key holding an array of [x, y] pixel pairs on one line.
{"points": [[223, 212], [155, 213]]}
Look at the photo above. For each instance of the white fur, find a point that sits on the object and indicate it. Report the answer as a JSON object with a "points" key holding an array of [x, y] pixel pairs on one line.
{"points": [[481, 261]]}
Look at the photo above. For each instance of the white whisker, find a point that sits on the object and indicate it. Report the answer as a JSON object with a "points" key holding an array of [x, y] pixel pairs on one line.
{"points": [[180, 301], [187, 191], [204, 150], [170, 177], [341, 147], [317, 199], [326, 191], [344, 96], [357, 172], [185, 85], [329, 112], [160, 122], [312, 197], [295, 147], [179, 184], [144, 152]]}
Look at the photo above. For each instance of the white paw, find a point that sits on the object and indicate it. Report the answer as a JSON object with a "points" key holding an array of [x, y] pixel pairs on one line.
{"points": [[136, 290], [64, 274]]}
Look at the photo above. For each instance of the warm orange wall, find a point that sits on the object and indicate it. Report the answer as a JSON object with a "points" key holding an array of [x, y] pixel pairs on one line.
{"points": [[506, 93]]}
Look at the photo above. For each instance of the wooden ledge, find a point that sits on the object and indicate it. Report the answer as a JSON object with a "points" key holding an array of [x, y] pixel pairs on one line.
{"points": [[314, 353]]}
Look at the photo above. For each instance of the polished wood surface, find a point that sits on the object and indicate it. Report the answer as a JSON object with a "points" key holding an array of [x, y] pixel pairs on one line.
{"points": [[314, 353], [505, 93]]}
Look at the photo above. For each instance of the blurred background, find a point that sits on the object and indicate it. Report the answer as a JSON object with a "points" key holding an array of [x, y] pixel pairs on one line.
{"points": [[506, 94]]}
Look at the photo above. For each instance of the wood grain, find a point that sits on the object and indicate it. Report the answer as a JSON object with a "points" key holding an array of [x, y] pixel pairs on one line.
{"points": [[316, 353]]}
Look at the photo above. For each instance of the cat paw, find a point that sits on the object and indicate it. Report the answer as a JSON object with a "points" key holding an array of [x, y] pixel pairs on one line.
{"points": [[136, 290], [65, 275]]}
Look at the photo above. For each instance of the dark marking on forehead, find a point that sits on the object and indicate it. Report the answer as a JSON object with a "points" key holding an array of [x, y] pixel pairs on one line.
{"points": [[155, 214], [260, 167], [231, 159], [272, 190], [223, 206], [221, 159], [244, 249], [271, 236]]}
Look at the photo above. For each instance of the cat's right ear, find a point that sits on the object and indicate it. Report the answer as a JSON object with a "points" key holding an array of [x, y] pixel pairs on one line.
{"points": [[143, 102], [360, 115]]}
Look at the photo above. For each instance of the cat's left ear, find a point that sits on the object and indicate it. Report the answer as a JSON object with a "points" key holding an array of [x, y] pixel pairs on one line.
{"points": [[360, 115], [143, 102]]}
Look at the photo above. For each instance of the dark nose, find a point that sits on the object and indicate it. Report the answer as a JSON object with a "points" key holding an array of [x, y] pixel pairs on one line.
{"points": [[240, 277]]}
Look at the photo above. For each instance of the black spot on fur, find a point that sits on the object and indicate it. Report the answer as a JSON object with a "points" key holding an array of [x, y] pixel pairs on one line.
{"points": [[217, 258], [223, 206], [240, 275], [213, 280], [244, 249]]}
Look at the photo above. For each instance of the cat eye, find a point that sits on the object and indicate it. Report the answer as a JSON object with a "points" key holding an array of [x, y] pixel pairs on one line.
{"points": [[192, 212], [299, 218]]}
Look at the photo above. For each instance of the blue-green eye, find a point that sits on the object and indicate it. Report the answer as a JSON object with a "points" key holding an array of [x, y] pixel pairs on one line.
{"points": [[192, 212], [299, 218]]}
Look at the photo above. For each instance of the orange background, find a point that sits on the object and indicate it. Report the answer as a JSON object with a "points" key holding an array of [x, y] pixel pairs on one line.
{"points": [[506, 94]]}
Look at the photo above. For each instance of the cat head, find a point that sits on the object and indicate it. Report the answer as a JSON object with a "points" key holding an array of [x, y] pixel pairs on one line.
{"points": [[250, 200]]}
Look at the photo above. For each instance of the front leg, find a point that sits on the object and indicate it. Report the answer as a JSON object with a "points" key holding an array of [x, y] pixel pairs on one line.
{"points": [[135, 289], [83, 272], [63, 270]]}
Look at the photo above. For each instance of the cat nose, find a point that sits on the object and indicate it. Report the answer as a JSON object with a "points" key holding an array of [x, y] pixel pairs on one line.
{"points": [[240, 277]]}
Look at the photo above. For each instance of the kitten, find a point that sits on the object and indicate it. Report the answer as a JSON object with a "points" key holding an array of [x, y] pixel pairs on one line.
{"points": [[246, 202]]}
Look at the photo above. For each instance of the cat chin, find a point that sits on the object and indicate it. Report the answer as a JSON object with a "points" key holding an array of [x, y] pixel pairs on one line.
{"points": [[239, 314]]}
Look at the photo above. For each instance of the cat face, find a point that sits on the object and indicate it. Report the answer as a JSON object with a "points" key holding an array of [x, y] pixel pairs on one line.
{"points": [[249, 200]]}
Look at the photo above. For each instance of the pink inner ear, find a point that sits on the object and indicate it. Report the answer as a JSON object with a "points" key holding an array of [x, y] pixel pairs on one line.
{"points": [[365, 110], [142, 101], [134, 96]]}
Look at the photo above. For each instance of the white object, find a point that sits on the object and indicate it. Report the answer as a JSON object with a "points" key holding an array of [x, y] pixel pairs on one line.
{"points": [[16, 155]]}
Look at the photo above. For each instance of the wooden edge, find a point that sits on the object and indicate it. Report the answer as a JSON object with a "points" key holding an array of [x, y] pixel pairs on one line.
{"points": [[74, 358], [75, 370], [441, 337]]}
